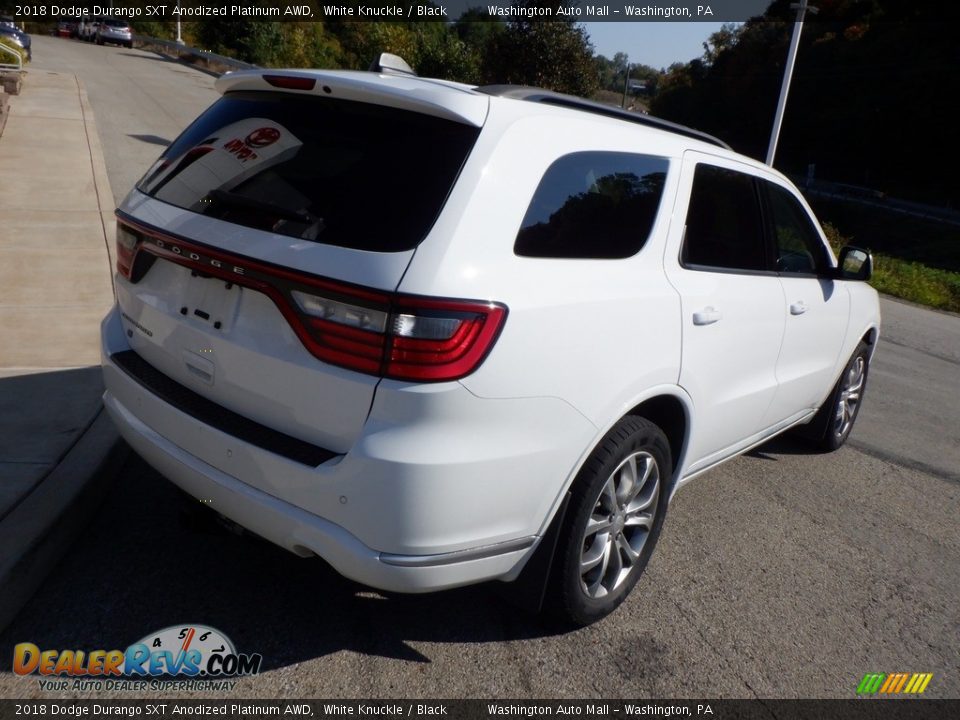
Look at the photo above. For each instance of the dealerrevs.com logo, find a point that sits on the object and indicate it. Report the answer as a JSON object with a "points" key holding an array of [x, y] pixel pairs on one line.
{"points": [[193, 657]]}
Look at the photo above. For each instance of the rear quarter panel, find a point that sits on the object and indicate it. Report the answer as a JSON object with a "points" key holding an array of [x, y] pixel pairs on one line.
{"points": [[594, 333]]}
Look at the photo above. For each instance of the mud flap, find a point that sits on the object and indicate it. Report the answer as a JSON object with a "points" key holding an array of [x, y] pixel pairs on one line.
{"points": [[528, 591]]}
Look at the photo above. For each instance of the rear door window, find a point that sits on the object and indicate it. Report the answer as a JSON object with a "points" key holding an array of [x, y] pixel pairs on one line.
{"points": [[344, 173], [724, 223], [593, 205]]}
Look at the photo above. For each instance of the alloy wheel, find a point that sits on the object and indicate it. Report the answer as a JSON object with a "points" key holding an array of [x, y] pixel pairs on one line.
{"points": [[849, 398], [619, 524]]}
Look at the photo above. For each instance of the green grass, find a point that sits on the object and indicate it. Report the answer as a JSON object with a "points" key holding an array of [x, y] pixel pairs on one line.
{"points": [[907, 279], [917, 283]]}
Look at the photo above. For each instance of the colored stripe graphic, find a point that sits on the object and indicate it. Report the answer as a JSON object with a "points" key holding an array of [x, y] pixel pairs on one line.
{"points": [[890, 682], [871, 683], [894, 683], [901, 681], [914, 683]]}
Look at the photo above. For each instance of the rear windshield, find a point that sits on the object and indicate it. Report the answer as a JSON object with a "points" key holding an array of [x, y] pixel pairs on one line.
{"points": [[115, 23], [332, 171]]}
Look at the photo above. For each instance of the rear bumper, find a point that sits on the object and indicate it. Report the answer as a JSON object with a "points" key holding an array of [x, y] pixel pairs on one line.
{"points": [[421, 502], [304, 533]]}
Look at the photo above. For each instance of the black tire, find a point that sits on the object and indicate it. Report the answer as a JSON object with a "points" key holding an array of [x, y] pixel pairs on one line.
{"points": [[833, 422], [580, 597]]}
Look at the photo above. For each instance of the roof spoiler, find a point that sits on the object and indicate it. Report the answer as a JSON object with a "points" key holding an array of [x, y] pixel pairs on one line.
{"points": [[392, 65]]}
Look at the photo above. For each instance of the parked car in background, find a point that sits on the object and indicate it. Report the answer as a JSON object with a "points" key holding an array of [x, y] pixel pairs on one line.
{"points": [[17, 36], [552, 316], [87, 28], [66, 28], [115, 32]]}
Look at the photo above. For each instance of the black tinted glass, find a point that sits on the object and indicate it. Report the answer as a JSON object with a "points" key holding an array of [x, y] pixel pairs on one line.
{"points": [[724, 228], [341, 173], [799, 247], [593, 205]]}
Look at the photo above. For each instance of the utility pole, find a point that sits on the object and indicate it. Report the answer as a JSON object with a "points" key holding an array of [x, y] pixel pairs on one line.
{"points": [[801, 8], [180, 39], [626, 82]]}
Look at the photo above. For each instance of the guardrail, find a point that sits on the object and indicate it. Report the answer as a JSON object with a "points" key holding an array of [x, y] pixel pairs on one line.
{"points": [[877, 199], [10, 66], [191, 54]]}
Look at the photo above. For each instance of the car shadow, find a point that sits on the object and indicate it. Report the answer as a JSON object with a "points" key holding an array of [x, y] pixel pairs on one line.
{"points": [[151, 139], [144, 565], [786, 444]]}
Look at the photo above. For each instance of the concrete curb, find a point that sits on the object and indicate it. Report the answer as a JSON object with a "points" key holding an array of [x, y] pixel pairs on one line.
{"points": [[38, 531], [101, 180]]}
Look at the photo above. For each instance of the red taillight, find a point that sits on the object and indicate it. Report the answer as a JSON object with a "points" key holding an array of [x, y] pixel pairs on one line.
{"points": [[400, 337], [403, 337], [291, 82], [441, 340], [126, 250]]}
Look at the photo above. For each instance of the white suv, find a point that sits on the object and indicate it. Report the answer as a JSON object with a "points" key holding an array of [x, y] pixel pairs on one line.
{"points": [[438, 334]]}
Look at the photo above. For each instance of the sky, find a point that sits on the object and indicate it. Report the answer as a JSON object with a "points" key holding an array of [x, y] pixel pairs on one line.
{"points": [[658, 44]]}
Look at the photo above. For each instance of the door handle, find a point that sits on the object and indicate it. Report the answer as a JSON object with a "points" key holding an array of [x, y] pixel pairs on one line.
{"points": [[798, 308], [707, 316]]}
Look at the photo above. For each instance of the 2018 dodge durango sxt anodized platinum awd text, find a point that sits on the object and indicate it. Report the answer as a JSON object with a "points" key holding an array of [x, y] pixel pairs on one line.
{"points": [[438, 334]]}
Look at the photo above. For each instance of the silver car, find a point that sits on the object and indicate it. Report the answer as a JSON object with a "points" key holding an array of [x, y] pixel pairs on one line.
{"points": [[114, 31]]}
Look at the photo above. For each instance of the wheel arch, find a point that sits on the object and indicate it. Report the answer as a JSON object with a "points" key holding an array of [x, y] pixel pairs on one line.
{"points": [[870, 337], [672, 415], [668, 407]]}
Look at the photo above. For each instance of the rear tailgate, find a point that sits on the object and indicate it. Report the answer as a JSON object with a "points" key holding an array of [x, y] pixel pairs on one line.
{"points": [[266, 194]]}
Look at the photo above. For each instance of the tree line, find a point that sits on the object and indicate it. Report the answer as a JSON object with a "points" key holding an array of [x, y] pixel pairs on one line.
{"points": [[873, 101], [477, 48]]}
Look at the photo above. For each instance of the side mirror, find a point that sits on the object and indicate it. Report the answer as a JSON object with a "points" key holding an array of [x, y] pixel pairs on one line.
{"points": [[854, 264]]}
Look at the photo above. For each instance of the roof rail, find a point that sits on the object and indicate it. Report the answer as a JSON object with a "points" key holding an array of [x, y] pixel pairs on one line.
{"points": [[548, 97]]}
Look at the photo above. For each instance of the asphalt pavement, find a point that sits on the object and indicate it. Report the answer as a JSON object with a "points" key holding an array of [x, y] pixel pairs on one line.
{"points": [[142, 100], [780, 574]]}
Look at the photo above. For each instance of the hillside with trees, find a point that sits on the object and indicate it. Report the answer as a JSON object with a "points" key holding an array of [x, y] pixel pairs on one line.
{"points": [[873, 98], [873, 102], [476, 49]]}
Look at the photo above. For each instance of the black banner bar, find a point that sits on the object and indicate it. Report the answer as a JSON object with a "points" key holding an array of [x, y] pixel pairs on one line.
{"points": [[423, 10], [857, 709]]}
